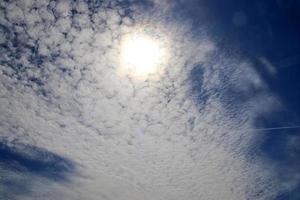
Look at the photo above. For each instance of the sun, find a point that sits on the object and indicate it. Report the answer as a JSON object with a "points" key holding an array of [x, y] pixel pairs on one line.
{"points": [[141, 55]]}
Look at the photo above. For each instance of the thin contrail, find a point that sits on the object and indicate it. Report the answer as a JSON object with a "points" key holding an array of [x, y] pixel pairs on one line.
{"points": [[274, 128]]}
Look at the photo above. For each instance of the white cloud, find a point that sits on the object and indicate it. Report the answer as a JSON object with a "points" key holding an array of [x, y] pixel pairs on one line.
{"points": [[132, 140]]}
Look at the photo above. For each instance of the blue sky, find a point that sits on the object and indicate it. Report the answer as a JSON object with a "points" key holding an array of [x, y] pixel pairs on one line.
{"points": [[76, 123]]}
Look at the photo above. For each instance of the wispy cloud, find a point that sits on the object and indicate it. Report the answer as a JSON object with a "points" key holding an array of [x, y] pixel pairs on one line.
{"points": [[24, 167]]}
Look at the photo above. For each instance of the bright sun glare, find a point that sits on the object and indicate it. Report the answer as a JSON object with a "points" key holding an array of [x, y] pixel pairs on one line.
{"points": [[141, 55]]}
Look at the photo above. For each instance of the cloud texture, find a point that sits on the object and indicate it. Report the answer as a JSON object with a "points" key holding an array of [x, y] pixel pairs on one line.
{"points": [[177, 136]]}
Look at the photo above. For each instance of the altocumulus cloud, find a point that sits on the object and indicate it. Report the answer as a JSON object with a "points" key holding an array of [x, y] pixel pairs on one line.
{"points": [[179, 136]]}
